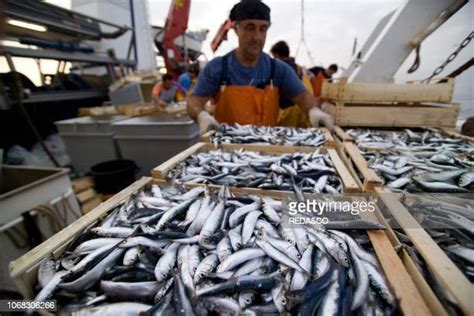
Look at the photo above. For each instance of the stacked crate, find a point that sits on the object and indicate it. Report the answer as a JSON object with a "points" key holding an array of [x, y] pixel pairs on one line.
{"points": [[391, 105]]}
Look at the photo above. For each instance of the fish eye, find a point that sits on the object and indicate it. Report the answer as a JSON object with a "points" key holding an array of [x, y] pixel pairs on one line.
{"points": [[283, 301], [248, 301], [298, 256]]}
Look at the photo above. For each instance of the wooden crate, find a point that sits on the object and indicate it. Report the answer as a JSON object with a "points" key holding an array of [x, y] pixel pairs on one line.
{"points": [[366, 177], [348, 182], [342, 136], [409, 286], [412, 92], [330, 142], [390, 115], [371, 182], [435, 306], [350, 154], [444, 269], [24, 270]]}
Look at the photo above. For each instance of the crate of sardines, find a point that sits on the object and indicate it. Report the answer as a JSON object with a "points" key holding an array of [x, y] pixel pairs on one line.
{"points": [[418, 160], [259, 167], [267, 135], [436, 231], [168, 250]]}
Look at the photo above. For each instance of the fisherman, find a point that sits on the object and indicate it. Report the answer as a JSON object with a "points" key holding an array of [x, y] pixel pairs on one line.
{"points": [[188, 79], [246, 83], [319, 75], [167, 91], [291, 115]]}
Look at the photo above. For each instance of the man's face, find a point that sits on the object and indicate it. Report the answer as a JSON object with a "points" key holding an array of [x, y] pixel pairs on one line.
{"points": [[252, 35], [167, 84], [330, 72], [276, 56]]}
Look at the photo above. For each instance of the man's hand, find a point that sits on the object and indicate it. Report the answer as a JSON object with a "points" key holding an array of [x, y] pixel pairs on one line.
{"points": [[206, 122], [318, 117], [162, 105]]}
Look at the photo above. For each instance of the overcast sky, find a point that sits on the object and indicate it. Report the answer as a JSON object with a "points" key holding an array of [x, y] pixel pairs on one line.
{"points": [[330, 26]]}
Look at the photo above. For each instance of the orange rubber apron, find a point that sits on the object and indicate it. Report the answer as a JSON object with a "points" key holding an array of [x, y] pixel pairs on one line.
{"points": [[247, 104], [318, 83]]}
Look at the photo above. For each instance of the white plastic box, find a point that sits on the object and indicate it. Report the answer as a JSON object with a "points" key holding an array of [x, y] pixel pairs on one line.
{"points": [[89, 140], [151, 140]]}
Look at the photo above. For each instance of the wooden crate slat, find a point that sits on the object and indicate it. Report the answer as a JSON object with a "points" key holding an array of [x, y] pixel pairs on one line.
{"points": [[86, 195], [274, 149], [348, 163], [206, 137], [445, 270], [370, 179], [82, 184], [161, 171], [342, 135], [405, 290], [429, 296], [388, 92], [349, 184], [90, 205], [411, 302], [449, 132], [394, 116], [329, 139]]}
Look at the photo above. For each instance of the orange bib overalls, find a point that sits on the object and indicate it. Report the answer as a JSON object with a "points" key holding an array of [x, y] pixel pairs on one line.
{"points": [[247, 104]]}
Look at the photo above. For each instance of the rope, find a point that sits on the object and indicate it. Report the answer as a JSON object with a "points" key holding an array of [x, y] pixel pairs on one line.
{"points": [[18, 94], [302, 39]]}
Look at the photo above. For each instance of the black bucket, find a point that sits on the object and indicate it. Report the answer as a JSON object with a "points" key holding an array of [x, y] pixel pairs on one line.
{"points": [[114, 175]]}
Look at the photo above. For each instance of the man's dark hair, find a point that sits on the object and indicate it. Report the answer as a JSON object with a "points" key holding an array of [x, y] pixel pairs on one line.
{"points": [[281, 49], [250, 10], [194, 69], [167, 77], [333, 67]]}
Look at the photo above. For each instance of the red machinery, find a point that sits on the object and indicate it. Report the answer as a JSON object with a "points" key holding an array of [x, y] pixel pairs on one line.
{"points": [[221, 35], [176, 25]]}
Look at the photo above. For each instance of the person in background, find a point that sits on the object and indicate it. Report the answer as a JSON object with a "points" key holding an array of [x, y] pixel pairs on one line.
{"points": [[167, 91], [246, 83], [188, 79], [291, 114], [319, 75], [468, 127]]}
